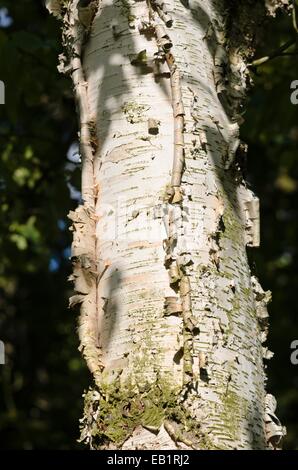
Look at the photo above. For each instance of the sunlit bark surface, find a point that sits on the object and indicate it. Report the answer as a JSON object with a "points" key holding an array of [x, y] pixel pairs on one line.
{"points": [[172, 323]]}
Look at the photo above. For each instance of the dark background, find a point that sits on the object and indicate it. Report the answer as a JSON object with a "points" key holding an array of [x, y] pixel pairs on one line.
{"points": [[43, 379]]}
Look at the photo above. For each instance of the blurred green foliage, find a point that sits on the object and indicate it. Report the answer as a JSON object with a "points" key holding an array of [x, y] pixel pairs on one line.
{"points": [[43, 379]]}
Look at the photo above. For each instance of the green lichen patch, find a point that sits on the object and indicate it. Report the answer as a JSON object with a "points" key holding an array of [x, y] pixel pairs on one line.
{"points": [[112, 414], [232, 405], [134, 112]]}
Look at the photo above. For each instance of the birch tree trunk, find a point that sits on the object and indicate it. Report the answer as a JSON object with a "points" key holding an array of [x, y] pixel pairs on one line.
{"points": [[172, 323]]}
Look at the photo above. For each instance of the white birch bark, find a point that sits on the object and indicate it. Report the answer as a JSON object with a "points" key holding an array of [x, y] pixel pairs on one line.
{"points": [[172, 323]]}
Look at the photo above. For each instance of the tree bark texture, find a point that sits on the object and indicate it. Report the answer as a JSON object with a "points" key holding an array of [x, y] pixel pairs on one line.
{"points": [[172, 324]]}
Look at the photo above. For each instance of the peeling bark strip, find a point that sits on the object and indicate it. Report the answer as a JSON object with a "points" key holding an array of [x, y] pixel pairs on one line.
{"points": [[78, 16], [177, 274], [86, 277], [173, 326], [178, 113]]}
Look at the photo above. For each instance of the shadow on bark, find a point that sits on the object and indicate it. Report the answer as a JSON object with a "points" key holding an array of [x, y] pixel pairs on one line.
{"points": [[111, 309], [112, 68], [106, 63]]}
